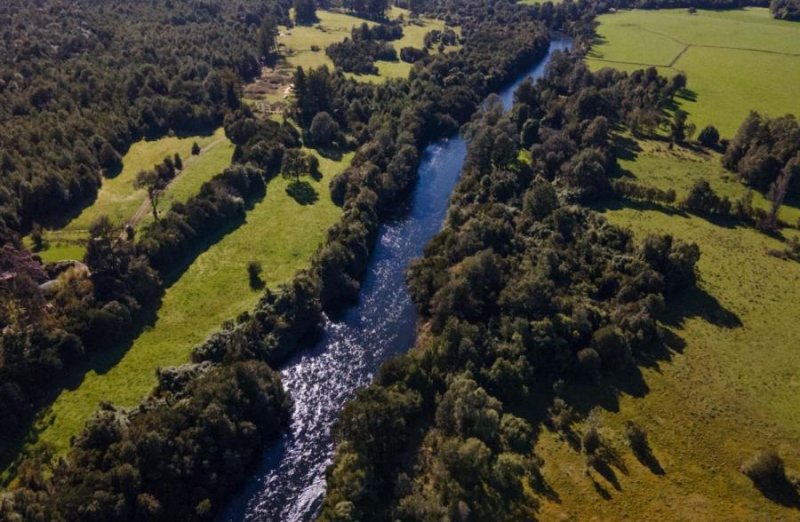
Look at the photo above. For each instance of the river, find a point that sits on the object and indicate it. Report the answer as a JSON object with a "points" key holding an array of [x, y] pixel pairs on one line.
{"points": [[288, 484]]}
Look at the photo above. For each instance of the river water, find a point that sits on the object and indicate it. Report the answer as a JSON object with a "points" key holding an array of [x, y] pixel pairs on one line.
{"points": [[288, 484]]}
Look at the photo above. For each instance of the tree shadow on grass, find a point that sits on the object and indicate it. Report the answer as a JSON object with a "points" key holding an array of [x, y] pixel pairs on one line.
{"points": [[302, 192], [101, 360], [626, 148], [784, 493], [695, 302]]}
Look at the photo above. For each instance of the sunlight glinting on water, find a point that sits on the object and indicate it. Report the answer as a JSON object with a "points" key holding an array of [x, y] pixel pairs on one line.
{"points": [[289, 484]]}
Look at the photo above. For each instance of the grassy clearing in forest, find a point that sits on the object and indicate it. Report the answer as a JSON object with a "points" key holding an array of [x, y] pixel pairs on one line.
{"points": [[119, 200], [729, 385], [651, 163], [333, 27], [278, 232], [736, 61]]}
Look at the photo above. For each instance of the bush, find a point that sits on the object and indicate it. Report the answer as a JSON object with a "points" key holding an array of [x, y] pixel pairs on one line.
{"points": [[412, 54], [703, 200], [324, 130], [709, 137], [254, 271]]}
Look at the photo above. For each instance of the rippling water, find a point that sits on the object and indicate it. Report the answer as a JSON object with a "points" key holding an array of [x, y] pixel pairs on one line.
{"points": [[289, 484]]}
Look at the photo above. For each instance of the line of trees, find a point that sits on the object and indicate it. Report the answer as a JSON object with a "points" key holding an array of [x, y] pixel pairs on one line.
{"points": [[785, 9], [390, 125], [521, 290], [765, 154], [72, 100]]}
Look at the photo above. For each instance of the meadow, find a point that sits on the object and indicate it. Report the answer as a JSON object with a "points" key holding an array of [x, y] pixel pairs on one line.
{"points": [[735, 61], [652, 163], [119, 200], [278, 232], [725, 389], [724, 385], [333, 27]]}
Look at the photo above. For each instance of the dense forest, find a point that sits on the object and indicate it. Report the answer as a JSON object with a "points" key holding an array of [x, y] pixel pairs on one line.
{"points": [[80, 81], [388, 124]]}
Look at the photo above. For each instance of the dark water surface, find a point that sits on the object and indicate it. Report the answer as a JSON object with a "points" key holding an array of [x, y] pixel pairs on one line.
{"points": [[288, 485]]}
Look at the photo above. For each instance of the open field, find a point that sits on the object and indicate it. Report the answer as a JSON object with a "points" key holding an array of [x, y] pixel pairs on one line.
{"points": [[119, 200], [652, 163], [728, 389], [735, 60], [724, 387], [278, 232]]}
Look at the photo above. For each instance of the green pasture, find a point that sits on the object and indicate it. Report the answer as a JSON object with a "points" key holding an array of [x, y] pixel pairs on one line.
{"points": [[652, 163], [736, 61], [725, 384], [333, 27], [726, 387], [119, 200], [279, 232]]}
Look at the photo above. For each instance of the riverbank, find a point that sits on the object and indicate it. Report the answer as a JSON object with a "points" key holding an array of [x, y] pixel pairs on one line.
{"points": [[289, 483]]}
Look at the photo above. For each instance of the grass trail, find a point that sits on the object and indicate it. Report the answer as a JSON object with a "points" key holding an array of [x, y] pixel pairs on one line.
{"points": [[278, 232]]}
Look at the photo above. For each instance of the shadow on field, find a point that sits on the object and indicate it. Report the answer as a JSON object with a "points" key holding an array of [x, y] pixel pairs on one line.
{"points": [[560, 405], [103, 360]]}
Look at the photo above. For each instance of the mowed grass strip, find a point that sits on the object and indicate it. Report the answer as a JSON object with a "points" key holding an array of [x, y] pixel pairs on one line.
{"points": [[279, 233], [736, 61], [730, 390], [119, 200]]}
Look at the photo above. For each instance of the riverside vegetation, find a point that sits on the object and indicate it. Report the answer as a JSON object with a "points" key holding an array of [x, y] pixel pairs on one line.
{"points": [[536, 309]]}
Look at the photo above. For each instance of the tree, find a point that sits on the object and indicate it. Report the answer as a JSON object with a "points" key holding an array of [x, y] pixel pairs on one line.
{"points": [[154, 185], [110, 159], [178, 162], [267, 35], [195, 149], [37, 239], [678, 82], [324, 130], [254, 271], [297, 163], [709, 136], [305, 12], [678, 126], [779, 189]]}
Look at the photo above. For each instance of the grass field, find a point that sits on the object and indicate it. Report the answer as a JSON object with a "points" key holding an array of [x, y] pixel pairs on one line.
{"points": [[119, 200], [653, 164], [278, 232], [333, 27], [730, 391], [735, 60], [727, 386]]}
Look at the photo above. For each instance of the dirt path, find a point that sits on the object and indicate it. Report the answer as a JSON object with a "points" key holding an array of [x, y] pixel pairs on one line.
{"points": [[145, 207]]}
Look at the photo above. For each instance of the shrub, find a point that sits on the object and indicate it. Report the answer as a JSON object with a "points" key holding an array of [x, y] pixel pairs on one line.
{"points": [[702, 199], [765, 469], [709, 136], [254, 271], [412, 54]]}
